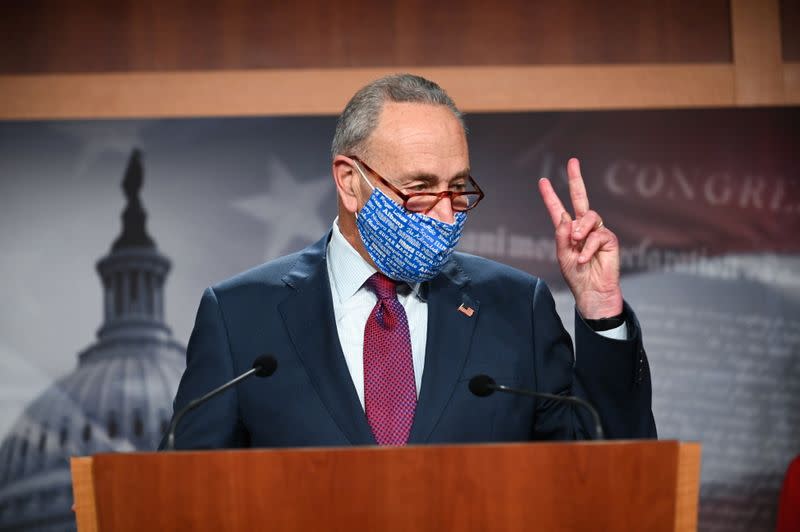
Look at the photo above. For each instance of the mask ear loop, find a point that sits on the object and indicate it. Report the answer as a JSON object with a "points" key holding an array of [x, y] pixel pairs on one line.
{"points": [[364, 177]]}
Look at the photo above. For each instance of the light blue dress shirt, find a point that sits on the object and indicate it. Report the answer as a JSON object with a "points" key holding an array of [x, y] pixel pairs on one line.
{"points": [[353, 303]]}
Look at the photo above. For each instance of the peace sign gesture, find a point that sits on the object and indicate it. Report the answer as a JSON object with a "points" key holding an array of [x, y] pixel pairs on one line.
{"points": [[587, 251]]}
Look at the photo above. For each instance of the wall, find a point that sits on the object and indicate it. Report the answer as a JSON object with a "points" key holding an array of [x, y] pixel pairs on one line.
{"points": [[86, 58]]}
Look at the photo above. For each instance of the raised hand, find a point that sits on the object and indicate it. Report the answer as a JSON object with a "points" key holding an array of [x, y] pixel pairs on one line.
{"points": [[588, 252]]}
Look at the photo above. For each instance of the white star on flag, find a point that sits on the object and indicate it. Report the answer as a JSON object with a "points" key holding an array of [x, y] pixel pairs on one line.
{"points": [[289, 210]]}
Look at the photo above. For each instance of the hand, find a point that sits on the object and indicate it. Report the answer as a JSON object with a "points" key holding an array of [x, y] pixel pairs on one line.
{"points": [[587, 251]]}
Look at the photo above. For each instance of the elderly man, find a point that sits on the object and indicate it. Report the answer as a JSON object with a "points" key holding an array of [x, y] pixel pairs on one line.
{"points": [[379, 327]]}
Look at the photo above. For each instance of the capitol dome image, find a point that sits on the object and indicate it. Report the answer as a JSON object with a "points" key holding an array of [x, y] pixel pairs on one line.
{"points": [[118, 398]]}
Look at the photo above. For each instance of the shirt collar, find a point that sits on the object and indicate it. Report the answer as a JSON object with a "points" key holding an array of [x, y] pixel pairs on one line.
{"points": [[348, 270]]}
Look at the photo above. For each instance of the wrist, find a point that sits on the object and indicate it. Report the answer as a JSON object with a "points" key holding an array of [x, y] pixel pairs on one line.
{"points": [[600, 306]]}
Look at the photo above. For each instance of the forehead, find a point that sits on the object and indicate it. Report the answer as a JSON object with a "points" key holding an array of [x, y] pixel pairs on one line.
{"points": [[420, 135]]}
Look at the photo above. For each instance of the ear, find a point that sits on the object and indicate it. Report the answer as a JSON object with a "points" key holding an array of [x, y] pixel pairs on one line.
{"points": [[348, 182]]}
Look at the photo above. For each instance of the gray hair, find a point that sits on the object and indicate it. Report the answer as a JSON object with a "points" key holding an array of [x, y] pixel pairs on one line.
{"points": [[360, 117]]}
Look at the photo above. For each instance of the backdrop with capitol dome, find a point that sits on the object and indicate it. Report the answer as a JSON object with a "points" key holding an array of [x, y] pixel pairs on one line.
{"points": [[706, 204]]}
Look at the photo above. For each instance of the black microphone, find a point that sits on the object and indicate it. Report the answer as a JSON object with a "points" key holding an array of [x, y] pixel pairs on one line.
{"points": [[484, 385], [263, 366]]}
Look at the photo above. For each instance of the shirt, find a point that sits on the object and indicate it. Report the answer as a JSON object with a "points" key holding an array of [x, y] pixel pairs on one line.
{"points": [[353, 302]]}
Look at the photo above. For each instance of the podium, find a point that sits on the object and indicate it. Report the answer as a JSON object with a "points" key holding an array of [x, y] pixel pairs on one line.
{"points": [[575, 486]]}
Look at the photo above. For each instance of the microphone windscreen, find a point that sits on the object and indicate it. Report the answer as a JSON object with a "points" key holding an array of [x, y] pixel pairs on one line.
{"points": [[265, 365], [482, 385]]}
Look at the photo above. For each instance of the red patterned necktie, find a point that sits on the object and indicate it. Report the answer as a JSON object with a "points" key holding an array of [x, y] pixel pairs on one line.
{"points": [[390, 392]]}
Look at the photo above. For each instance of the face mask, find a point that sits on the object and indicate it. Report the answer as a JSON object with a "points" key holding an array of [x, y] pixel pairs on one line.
{"points": [[406, 246]]}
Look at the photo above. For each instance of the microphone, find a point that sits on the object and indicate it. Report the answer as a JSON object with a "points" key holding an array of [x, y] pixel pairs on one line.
{"points": [[484, 385], [263, 366]]}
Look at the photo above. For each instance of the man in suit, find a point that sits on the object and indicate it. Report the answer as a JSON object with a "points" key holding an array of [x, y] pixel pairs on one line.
{"points": [[379, 326]]}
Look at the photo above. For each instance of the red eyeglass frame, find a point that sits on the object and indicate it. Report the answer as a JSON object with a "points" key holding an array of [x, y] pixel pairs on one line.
{"points": [[438, 195]]}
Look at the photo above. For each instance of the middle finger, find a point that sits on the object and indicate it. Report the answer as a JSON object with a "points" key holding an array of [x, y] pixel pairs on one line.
{"points": [[577, 188]]}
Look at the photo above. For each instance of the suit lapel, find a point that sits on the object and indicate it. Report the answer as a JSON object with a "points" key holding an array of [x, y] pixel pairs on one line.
{"points": [[308, 315], [447, 345]]}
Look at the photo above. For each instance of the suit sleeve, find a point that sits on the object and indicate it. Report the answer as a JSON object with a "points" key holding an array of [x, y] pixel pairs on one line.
{"points": [[215, 424], [613, 375]]}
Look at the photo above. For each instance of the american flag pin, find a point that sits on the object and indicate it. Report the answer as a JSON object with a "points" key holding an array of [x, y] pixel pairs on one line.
{"points": [[465, 310]]}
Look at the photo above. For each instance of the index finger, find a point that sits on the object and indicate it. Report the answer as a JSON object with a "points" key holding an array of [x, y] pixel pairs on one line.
{"points": [[577, 189], [551, 201]]}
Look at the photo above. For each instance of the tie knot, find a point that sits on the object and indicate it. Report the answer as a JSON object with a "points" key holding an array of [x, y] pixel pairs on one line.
{"points": [[382, 286]]}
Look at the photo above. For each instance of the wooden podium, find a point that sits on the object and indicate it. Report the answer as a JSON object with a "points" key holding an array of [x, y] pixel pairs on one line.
{"points": [[607, 486]]}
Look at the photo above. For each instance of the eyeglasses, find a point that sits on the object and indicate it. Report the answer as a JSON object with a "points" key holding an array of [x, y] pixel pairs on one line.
{"points": [[425, 201]]}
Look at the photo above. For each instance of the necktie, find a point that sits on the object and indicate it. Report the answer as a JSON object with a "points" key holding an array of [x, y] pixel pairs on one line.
{"points": [[390, 395]]}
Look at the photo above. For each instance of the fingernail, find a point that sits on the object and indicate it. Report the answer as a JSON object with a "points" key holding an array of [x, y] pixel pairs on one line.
{"points": [[582, 258]]}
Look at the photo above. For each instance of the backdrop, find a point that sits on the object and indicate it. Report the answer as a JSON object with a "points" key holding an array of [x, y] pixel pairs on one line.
{"points": [[706, 204]]}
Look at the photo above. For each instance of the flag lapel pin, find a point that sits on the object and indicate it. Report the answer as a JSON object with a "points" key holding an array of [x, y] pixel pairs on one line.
{"points": [[465, 310]]}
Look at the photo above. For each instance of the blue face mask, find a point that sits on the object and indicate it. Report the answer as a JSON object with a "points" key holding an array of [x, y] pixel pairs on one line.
{"points": [[406, 246]]}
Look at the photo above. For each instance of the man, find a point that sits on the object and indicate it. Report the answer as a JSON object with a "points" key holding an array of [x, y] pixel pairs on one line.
{"points": [[379, 327]]}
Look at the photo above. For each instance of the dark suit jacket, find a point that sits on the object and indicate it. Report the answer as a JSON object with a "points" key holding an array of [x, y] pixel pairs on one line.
{"points": [[284, 308]]}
